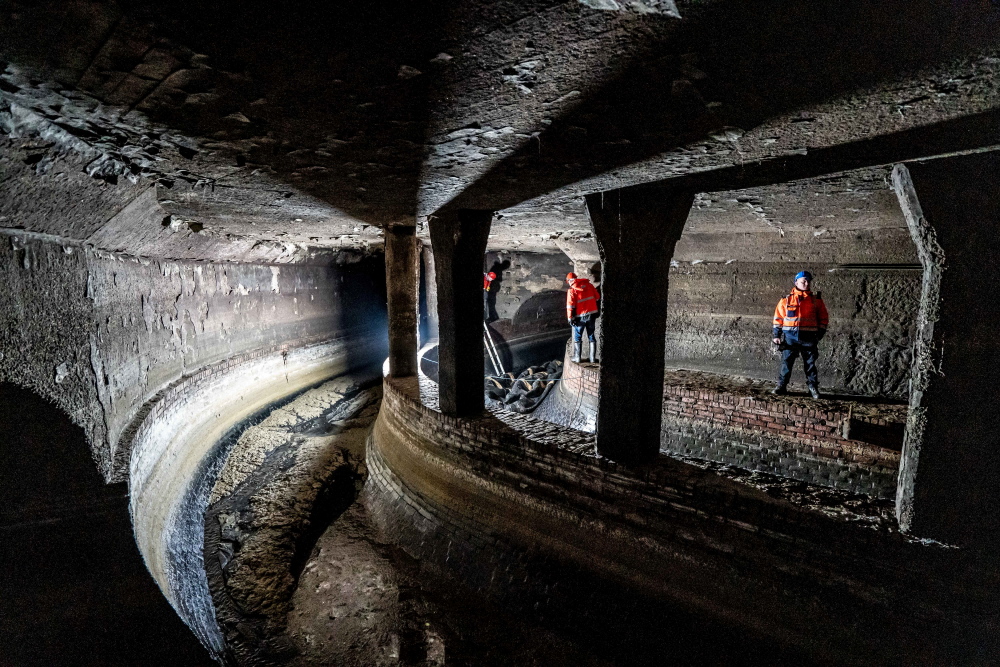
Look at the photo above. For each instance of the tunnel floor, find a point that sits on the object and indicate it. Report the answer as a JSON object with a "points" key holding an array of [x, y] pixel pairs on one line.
{"points": [[362, 602]]}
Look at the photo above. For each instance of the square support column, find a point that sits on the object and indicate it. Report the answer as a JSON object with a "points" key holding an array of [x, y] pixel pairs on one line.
{"points": [[636, 233], [949, 478], [458, 240], [402, 279]]}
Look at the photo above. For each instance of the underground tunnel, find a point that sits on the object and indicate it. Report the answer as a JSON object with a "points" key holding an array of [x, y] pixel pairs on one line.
{"points": [[257, 409]]}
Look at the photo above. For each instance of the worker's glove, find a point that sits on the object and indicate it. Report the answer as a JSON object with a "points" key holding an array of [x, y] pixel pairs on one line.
{"points": [[575, 321], [820, 334]]}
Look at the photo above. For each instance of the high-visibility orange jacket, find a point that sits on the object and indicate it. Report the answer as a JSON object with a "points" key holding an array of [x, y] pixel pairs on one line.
{"points": [[800, 312], [581, 298]]}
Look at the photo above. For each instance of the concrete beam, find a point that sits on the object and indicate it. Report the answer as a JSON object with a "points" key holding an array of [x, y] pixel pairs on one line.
{"points": [[402, 279], [636, 236], [951, 452], [458, 240]]}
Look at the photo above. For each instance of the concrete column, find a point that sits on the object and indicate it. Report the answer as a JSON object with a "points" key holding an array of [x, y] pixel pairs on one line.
{"points": [[636, 233], [458, 240], [402, 280], [949, 480], [429, 285]]}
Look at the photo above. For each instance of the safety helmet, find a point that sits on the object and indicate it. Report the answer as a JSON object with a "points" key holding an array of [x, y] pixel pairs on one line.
{"points": [[803, 274], [570, 276], [491, 276]]}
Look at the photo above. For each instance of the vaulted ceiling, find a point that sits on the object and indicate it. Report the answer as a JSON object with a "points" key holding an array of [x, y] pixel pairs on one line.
{"points": [[278, 131]]}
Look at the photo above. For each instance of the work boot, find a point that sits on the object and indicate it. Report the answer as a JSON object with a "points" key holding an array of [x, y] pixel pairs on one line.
{"points": [[576, 352], [814, 392], [591, 354], [779, 390]]}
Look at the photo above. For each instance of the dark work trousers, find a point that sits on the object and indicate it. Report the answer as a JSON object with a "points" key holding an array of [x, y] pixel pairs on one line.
{"points": [[788, 357], [588, 322]]}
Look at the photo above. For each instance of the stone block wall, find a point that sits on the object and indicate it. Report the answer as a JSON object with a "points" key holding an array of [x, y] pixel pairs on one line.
{"points": [[181, 443]]}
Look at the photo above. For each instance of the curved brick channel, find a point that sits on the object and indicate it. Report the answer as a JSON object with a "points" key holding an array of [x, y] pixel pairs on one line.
{"points": [[847, 443], [502, 505]]}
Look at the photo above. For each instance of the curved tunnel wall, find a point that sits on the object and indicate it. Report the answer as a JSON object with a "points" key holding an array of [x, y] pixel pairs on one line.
{"points": [[169, 356], [528, 518], [101, 334], [75, 589], [181, 446]]}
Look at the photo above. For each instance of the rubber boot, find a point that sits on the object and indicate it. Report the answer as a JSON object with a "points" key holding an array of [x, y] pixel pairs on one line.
{"points": [[779, 390], [576, 352], [814, 391], [592, 353]]}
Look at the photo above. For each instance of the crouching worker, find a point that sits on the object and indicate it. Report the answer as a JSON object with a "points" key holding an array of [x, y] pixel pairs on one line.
{"points": [[800, 322], [581, 312]]}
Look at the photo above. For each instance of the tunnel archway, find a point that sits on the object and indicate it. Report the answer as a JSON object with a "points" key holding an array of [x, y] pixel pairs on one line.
{"points": [[73, 588]]}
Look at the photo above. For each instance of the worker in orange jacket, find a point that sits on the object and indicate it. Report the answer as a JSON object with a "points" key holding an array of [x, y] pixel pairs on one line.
{"points": [[800, 322], [488, 279], [581, 312]]}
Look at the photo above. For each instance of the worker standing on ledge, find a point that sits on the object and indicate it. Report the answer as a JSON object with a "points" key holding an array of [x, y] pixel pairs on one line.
{"points": [[581, 311], [800, 322], [488, 279]]}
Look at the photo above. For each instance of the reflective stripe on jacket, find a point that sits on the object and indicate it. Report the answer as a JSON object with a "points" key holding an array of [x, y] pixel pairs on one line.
{"points": [[581, 298], [800, 311]]}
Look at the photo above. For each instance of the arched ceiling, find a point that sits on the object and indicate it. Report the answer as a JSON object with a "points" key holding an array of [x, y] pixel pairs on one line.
{"points": [[282, 129]]}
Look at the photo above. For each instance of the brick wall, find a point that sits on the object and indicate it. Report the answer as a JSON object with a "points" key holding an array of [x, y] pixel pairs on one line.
{"points": [[573, 402], [525, 511], [836, 443], [811, 444]]}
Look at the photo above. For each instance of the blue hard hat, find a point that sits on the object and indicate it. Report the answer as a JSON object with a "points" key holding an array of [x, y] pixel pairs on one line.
{"points": [[804, 274]]}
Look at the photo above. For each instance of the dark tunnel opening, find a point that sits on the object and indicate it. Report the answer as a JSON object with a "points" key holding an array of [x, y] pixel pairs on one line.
{"points": [[73, 587]]}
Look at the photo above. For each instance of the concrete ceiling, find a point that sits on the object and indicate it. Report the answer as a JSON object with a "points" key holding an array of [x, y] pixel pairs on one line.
{"points": [[268, 132]]}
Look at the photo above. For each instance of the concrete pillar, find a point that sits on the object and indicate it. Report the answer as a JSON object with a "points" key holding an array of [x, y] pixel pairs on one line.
{"points": [[636, 233], [949, 480], [402, 280], [429, 288], [458, 240]]}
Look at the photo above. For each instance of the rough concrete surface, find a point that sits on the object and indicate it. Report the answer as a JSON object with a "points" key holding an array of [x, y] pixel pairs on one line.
{"points": [[720, 316], [180, 448], [193, 196], [282, 483], [111, 330]]}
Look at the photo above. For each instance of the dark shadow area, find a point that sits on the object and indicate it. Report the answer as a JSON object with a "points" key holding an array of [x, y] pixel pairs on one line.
{"points": [[497, 267], [753, 61], [363, 297], [547, 307], [73, 587]]}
